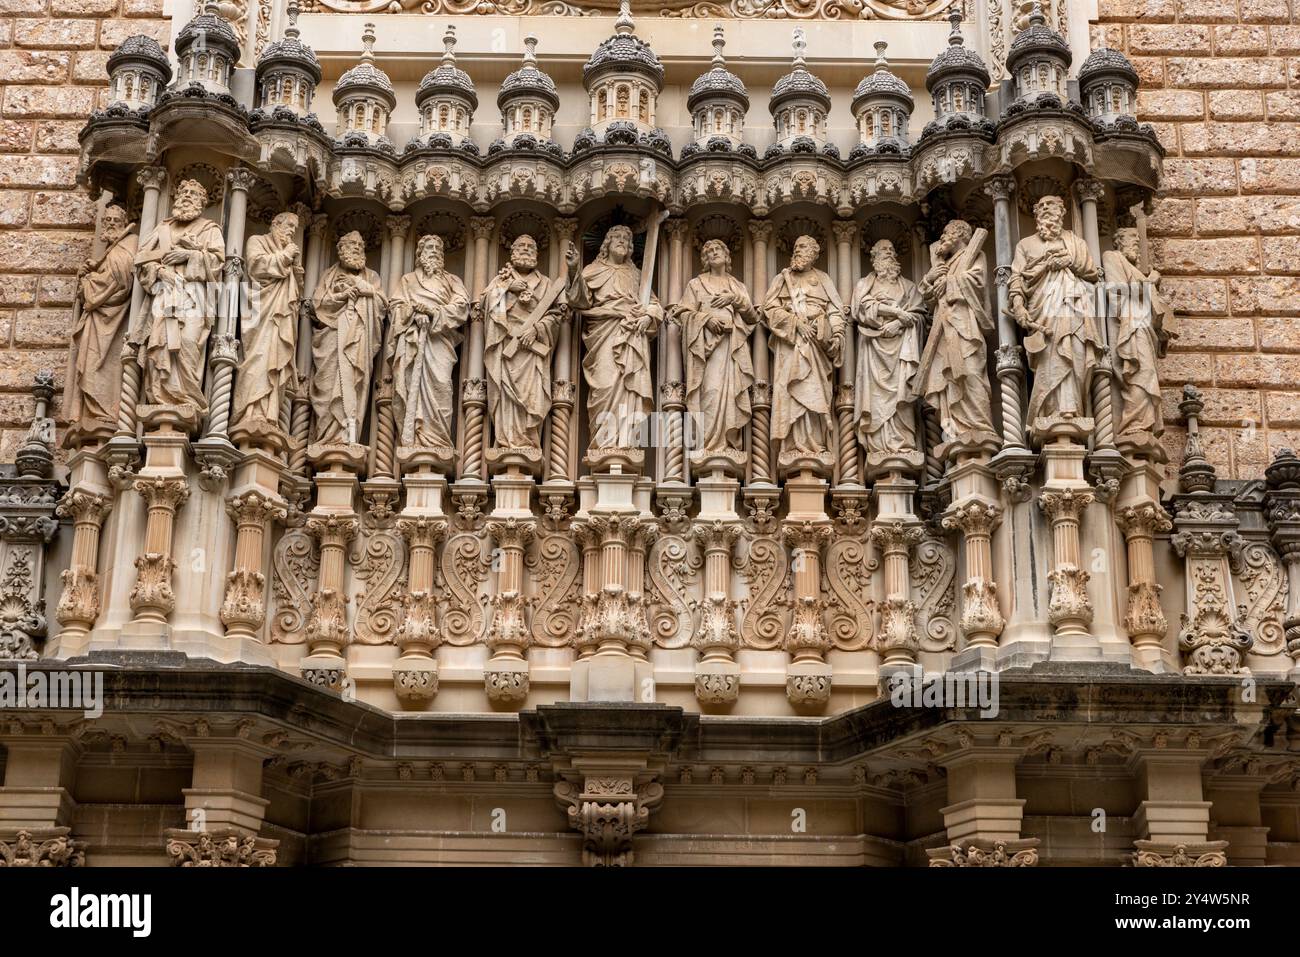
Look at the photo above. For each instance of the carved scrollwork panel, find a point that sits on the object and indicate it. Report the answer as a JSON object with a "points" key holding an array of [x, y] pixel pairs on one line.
{"points": [[1266, 593], [848, 590], [766, 619], [932, 570], [464, 570], [379, 563], [554, 564], [294, 567], [670, 571]]}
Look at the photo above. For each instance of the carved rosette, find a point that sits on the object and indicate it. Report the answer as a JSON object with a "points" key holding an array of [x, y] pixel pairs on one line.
{"points": [[201, 849], [607, 811], [41, 847]]}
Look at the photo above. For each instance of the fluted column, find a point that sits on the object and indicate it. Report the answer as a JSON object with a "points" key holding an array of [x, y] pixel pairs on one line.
{"points": [[327, 628], [717, 676], [415, 673], [1069, 609], [481, 228], [898, 637], [152, 179], [244, 610], [808, 676], [505, 676], [79, 602], [844, 231], [1144, 619], [398, 227], [1010, 371], [981, 619], [152, 599], [760, 231]]}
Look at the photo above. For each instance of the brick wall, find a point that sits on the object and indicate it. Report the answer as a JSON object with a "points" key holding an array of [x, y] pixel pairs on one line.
{"points": [[1221, 84], [52, 56]]}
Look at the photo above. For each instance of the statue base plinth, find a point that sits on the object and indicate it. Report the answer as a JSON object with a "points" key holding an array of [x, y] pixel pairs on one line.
{"points": [[806, 497], [508, 458], [1141, 445], [259, 433], [1052, 428], [885, 463], [793, 463], [728, 461], [968, 445], [615, 459], [92, 432], [427, 458], [170, 418], [337, 455]]}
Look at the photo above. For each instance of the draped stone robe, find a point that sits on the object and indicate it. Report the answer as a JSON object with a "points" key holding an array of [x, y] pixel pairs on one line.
{"points": [[519, 378], [1143, 316], [953, 374], [617, 361], [803, 372], [94, 387], [181, 304], [1064, 355], [343, 348], [886, 364], [719, 370], [269, 331], [428, 314]]}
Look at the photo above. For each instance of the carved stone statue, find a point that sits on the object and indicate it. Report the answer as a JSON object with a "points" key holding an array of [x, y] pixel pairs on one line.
{"points": [[953, 374], [428, 312], [179, 265], [522, 312], [806, 319], [1146, 323], [269, 331], [617, 329], [888, 311], [717, 318], [1053, 298], [349, 306], [94, 384]]}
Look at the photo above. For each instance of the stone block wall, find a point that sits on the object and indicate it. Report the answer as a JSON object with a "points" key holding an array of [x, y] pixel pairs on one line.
{"points": [[52, 56], [1221, 84]]}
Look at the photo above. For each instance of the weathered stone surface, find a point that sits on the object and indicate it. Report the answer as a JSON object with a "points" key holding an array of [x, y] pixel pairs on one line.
{"points": [[57, 136], [1220, 72], [1171, 104], [113, 32], [1200, 177], [56, 34], [42, 251], [1200, 256], [47, 101], [38, 171], [28, 66], [63, 208], [1236, 105]]}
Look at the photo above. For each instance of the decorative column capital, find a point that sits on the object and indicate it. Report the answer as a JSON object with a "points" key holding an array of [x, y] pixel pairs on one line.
{"points": [[255, 508], [241, 178], [82, 505], [806, 536], [566, 227], [760, 230], [422, 531], [1000, 187], [43, 847], [201, 849], [717, 534], [973, 517], [152, 177], [481, 227], [335, 530], [676, 229], [844, 230], [607, 810], [511, 532], [897, 535], [1144, 519], [159, 491], [1065, 504], [398, 225], [1090, 190], [319, 225]]}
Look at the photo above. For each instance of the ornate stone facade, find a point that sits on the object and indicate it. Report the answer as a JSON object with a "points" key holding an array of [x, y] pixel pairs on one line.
{"points": [[598, 412]]}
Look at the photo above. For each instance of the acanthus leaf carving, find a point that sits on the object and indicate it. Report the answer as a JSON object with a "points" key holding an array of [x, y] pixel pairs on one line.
{"points": [[464, 570], [766, 621], [671, 570]]}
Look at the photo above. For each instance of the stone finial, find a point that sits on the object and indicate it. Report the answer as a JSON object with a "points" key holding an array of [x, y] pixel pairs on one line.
{"points": [[1283, 473], [881, 62], [368, 43], [954, 18], [1196, 474], [719, 41], [625, 23], [799, 44], [449, 46], [530, 48], [292, 29]]}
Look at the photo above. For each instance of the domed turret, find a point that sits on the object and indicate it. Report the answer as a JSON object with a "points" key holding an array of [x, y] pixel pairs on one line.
{"points": [[623, 79], [718, 100], [528, 99], [882, 106], [288, 71], [957, 82], [446, 98], [364, 95], [799, 101], [208, 50], [1108, 85], [1039, 60], [138, 71]]}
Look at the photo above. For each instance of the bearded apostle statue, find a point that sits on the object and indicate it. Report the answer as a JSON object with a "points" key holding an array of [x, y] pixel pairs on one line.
{"points": [[179, 267], [349, 305], [717, 317], [889, 312], [428, 312], [1052, 297], [618, 323], [1146, 323], [94, 385], [522, 312], [268, 332], [953, 376], [804, 314]]}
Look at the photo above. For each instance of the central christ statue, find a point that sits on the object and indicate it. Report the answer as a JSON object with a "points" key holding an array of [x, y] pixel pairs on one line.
{"points": [[616, 331]]}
